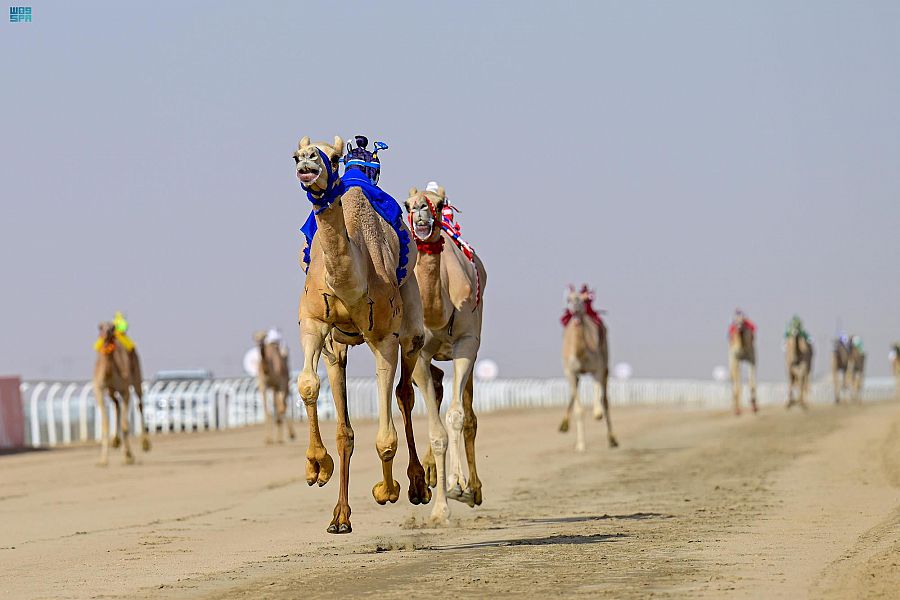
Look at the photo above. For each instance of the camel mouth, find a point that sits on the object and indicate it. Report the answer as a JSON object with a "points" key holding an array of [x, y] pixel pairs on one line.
{"points": [[307, 174], [423, 231]]}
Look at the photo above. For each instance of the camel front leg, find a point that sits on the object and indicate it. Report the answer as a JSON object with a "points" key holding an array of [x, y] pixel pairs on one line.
{"points": [[284, 420], [279, 408], [437, 379], [790, 398], [472, 495], [598, 404], [735, 365], [123, 410], [336, 364], [319, 465], [578, 411], [751, 380], [386, 354], [104, 426], [603, 385], [428, 380], [464, 351], [835, 382]]}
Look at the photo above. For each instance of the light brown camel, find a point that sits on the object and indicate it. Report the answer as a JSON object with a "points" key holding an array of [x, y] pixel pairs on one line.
{"points": [[274, 374], [585, 350], [798, 355], [895, 365], [115, 372], [840, 360], [352, 296], [451, 286], [856, 366], [742, 348]]}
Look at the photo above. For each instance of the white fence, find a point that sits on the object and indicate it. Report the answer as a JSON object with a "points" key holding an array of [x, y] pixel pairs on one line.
{"points": [[65, 412]]}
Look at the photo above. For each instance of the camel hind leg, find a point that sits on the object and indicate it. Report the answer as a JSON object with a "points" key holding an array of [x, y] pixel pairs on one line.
{"points": [[470, 429], [437, 384], [122, 404], [464, 352], [751, 381], [137, 383], [419, 492], [576, 408], [428, 379], [279, 407], [603, 388]]}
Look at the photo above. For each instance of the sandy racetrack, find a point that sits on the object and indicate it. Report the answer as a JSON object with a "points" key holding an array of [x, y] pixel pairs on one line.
{"points": [[696, 504]]}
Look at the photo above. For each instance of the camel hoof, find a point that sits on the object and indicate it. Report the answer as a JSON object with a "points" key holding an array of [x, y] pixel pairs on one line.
{"points": [[145, 444], [383, 495], [440, 516], [116, 442], [419, 492], [455, 493], [129, 459], [564, 426], [613, 442], [319, 471], [467, 497], [598, 415], [338, 529], [579, 447], [103, 462]]}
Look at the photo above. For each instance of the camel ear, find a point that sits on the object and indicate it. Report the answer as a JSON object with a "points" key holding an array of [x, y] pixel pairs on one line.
{"points": [[304, 142], [259, 336], [441, 193], [339, 145], [100, 325], [412, 192]]}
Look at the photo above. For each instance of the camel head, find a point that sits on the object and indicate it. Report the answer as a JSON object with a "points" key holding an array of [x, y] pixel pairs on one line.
{"points": [[315, 161], [576, 300], [108, 336], [424, 210]]}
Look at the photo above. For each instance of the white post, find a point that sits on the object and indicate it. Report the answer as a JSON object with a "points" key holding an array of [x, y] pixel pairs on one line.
{"points": [[33, 415], [67, 417], [83, 412]]}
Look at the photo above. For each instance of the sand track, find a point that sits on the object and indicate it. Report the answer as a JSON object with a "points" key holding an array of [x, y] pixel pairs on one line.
{"points": [[693, 504]]}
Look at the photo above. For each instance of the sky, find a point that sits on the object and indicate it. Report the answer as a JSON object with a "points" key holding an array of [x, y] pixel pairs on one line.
{"points": [[683, 158]]}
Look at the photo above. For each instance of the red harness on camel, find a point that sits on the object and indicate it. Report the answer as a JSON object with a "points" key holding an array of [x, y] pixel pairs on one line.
{"points": [[588, 311], [452, 229]]}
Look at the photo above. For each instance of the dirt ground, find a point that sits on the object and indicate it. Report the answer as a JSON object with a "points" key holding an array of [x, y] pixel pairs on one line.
{"points": [[693, 504]]}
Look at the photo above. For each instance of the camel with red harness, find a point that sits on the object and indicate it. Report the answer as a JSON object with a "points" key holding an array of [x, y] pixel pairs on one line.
{"points": [[451, 281], [742, 348], [585, 350]]}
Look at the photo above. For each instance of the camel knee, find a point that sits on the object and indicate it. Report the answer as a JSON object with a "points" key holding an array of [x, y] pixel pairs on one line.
{"points": [[386, 447], [470, 424], [439, 443], [308, 386], [346, 439]]}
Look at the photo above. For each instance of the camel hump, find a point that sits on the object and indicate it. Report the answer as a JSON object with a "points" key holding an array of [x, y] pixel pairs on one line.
{"points": [[462, 278]]}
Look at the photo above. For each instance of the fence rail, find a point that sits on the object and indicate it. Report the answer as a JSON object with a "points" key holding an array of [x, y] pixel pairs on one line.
{"points": [[60, 412]]}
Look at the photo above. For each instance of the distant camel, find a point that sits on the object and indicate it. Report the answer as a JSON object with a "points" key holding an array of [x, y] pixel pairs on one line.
{"points": [[114, 374], [274, 374], [585, 350], [742, 348], [798, 355], [895, 364]]}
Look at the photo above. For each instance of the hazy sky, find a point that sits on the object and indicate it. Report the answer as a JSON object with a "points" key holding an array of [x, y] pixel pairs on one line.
{"points": [[683, 157]]}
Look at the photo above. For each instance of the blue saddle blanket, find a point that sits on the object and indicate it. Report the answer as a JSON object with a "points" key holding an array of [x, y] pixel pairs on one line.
{"points": [[383, 203]]}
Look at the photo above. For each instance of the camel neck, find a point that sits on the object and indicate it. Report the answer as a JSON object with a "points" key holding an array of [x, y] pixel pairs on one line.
{"points": [[343, 273], [434, 306]]}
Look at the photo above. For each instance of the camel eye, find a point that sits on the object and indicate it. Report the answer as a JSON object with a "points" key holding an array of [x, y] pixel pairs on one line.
{"points": [[296, 160]]}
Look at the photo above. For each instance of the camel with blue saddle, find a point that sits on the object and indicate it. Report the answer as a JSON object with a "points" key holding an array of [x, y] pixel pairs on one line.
{"points": [[359, 289]]}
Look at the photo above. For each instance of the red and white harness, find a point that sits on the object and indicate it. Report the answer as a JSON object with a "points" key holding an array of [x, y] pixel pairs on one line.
{"points": [[452, 229]]}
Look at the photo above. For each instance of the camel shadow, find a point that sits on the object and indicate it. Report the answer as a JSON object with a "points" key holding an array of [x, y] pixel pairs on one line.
{"points": [[638, 516], [550, 540]]}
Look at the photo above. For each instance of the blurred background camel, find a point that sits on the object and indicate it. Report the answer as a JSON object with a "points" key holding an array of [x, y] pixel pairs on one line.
{"points": [[895, 366], [274, 374], [798, 354], [742, 348], [115, 374], [585, 351], [848, 362]]}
